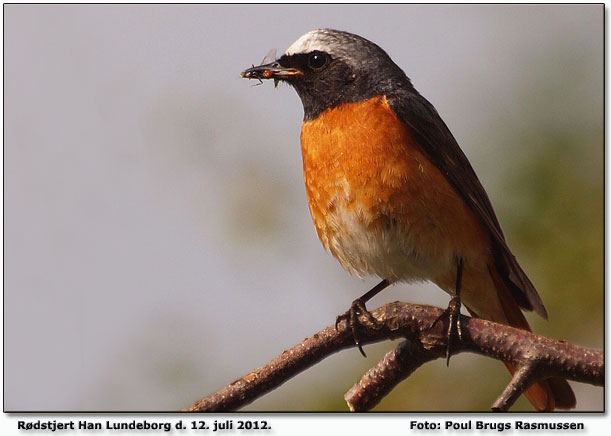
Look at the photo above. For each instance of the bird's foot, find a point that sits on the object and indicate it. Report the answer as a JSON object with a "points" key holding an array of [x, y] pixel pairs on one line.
{"points": [[454, 332], [352, 318]]}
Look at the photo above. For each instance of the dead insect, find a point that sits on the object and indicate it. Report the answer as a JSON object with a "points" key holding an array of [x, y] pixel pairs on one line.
{"points": [[265, 74], [258, 78]]}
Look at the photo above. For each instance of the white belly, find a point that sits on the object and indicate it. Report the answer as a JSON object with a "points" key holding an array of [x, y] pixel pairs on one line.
{"points": [[389, 251]]}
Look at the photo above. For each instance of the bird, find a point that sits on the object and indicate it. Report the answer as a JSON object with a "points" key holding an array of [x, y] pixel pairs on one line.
{"points": [[390, 192]]}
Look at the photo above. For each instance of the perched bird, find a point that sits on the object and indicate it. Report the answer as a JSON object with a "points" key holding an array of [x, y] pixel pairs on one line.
{"points": [[391, 193]]}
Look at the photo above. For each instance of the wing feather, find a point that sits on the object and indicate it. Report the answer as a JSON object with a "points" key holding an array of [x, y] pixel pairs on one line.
{"points": [[442, 149]]}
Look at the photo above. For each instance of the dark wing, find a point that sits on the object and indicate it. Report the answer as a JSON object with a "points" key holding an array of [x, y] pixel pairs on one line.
{"points": [[443, 150]]}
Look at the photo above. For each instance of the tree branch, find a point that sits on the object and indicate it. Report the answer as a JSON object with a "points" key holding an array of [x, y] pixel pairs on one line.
{"points": [[396, 366], [553, 358], [521, 379]]}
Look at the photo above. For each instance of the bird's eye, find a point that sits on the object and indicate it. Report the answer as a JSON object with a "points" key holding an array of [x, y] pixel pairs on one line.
{"points": [[317, 60]]}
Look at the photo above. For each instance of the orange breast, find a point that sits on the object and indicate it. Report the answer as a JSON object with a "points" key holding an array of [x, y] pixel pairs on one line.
{"points": [[378, 204]]}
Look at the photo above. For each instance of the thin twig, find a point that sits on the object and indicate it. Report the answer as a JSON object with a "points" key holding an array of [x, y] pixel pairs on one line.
{"points": [[521, 379]]}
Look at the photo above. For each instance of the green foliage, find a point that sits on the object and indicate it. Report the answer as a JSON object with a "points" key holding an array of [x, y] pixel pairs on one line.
{"points": [[556, 225]]}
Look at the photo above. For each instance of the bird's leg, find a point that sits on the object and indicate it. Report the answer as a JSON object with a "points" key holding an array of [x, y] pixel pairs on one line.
{"points": [[453, 313], [358, 308]]}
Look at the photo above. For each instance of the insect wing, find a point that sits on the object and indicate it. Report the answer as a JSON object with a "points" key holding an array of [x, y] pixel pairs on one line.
{"points": [[269, 57]]}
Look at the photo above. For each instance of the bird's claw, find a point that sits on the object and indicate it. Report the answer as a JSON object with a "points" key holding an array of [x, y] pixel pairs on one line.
{"points": [[352, 318], [454, 331]]}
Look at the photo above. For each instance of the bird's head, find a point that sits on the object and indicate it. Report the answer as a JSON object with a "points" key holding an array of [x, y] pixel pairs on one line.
{"points": [[329, 67]]}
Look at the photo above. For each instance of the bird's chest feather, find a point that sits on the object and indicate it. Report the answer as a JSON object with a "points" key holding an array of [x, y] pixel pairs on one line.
{"points": [[377, 203]]}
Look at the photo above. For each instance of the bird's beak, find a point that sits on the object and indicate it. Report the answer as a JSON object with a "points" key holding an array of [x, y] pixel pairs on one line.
{"points": [[273, 70]]}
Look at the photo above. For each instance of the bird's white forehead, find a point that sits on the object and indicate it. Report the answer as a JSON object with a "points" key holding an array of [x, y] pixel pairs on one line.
{"points": [[311, 41]]}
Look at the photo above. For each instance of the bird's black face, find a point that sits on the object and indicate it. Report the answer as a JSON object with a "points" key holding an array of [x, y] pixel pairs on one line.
{"points": [[321, 80], [328, 67], [325, 81]]}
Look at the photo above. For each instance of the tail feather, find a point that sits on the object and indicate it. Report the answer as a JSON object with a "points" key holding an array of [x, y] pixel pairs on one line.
{"points": [[563, 394], [544, 395]]}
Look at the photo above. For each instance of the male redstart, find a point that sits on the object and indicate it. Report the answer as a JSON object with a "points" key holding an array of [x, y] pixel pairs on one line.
{"points": [[390, 191]]}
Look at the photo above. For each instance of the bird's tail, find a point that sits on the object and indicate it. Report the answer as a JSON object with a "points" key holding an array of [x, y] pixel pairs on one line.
{"points": [[544, 395]]}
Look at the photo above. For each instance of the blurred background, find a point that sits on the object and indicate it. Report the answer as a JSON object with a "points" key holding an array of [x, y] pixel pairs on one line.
{"points": [[158, 243]]}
